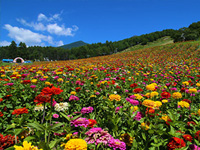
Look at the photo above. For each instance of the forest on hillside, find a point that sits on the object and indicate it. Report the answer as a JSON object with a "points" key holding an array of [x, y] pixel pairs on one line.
{"points": [[97, 49]]}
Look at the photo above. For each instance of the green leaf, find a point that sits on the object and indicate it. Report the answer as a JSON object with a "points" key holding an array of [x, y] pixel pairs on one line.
{"points": [[68, 118], [44, 146], [54, 143], [36, 126], [29, 138], [172, 131], [17, 131], [55, 126], [144, 136]]}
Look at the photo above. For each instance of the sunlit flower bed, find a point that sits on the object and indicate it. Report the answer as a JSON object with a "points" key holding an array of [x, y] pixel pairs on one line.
{"points": [[145, 99]]}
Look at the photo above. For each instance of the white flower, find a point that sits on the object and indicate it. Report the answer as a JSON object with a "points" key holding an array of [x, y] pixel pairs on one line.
{"points": [[115, 92], [39, 107], [61, 106]]}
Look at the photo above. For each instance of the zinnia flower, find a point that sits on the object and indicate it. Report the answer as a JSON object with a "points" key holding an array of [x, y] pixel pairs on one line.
{"points": [[61, 106], [165, 95], [117, 144], [26, 146], [175, 143], [84, 122], [76, 144], [87, 110], [97, 136], [114, 97], [177, 95], [188, 137], [20, 111], [127, 139]]}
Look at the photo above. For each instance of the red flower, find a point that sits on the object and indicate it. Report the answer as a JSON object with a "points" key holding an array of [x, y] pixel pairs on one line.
{"points": [[1, 99], [187, 100], [175, 143], [118, 87], [92, 123], [145, 79], [191, 122], [42, 98], [197, 135], [78, 89], [20, 111], [123, 78], [133, 85], [188, 137], [1, 114], [167, 122], [165, 95], [7, 141], [26, 81], [183, 90], [51, 91], [71, 69], [137, 90], [150, 111]]}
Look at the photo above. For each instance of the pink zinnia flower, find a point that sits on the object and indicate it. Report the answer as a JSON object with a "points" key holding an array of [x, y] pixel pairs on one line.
{"points": [[87, 110], [80, 122], [73, 97], [97, 136], [55, 115], [116, 143]]}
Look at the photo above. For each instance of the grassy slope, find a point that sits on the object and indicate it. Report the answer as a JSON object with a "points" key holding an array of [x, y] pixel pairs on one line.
{"points": [[162, 41]]}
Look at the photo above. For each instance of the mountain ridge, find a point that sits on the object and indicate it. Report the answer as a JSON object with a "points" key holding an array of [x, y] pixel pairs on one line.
{"points": [[73, 44]]}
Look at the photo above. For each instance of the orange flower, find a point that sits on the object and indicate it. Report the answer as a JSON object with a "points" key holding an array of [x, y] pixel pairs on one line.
{"points": [[1, 99], [51, 91], [20, 111]]}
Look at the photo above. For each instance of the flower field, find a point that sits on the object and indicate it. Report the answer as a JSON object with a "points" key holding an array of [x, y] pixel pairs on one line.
{"points": [[144, 99]]}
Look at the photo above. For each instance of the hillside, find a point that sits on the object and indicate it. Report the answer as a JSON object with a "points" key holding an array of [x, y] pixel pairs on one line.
{"points": [[74, 44], [162, 41]]}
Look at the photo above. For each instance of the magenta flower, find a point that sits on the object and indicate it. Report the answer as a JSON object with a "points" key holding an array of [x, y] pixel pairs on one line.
{"points": [[73, 97], [84, 122], [116, 143], [55, 115], [33, 86], [86, 110], [117, 109], [138, 117], [97, 136], [10, 84]]}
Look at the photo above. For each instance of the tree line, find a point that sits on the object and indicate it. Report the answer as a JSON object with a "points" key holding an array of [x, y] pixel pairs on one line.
{"points": [[97, 49]]}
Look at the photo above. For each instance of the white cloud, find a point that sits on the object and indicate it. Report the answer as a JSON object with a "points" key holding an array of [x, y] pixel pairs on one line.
{"points": [[59, 43], [37, 26], [4, 43], [27, 36], [42, 17], [61, 30]]}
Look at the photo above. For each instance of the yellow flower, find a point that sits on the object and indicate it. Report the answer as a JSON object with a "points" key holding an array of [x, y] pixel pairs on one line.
{"points": [[198, 84], [58, 73], [165, 118], [152, 94], [3, 75], [193, 90], [26, 146], [144, 126], [150, 87], [91, 83], [114, 97], [15, 73], [76, 144], [45, 77], [185, 83], [164, 101], [183, 104], [93, 96], [198, 112], [176, 95], [68, 136], [152, 104], [157, 105], [138, 96], [73, 93], [34, 81], [135, 108], [60, 80], [127, 139], [47, 83]]}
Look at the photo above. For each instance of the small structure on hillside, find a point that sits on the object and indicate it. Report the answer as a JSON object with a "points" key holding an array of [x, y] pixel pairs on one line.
{"points": [[15, 60]]}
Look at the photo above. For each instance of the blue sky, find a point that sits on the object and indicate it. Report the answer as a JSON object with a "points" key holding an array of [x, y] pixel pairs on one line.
{"points": [[58, 22]]}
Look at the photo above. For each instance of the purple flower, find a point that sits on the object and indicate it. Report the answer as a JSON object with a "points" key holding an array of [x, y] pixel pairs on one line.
{"points": [[117, 109], [84, 122], [33, 86], [87, 110], [134, 102], [10, 84], [97, 136], [194, 147], [55, 115], [116, 143], [73, 97], [138, 116]]}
